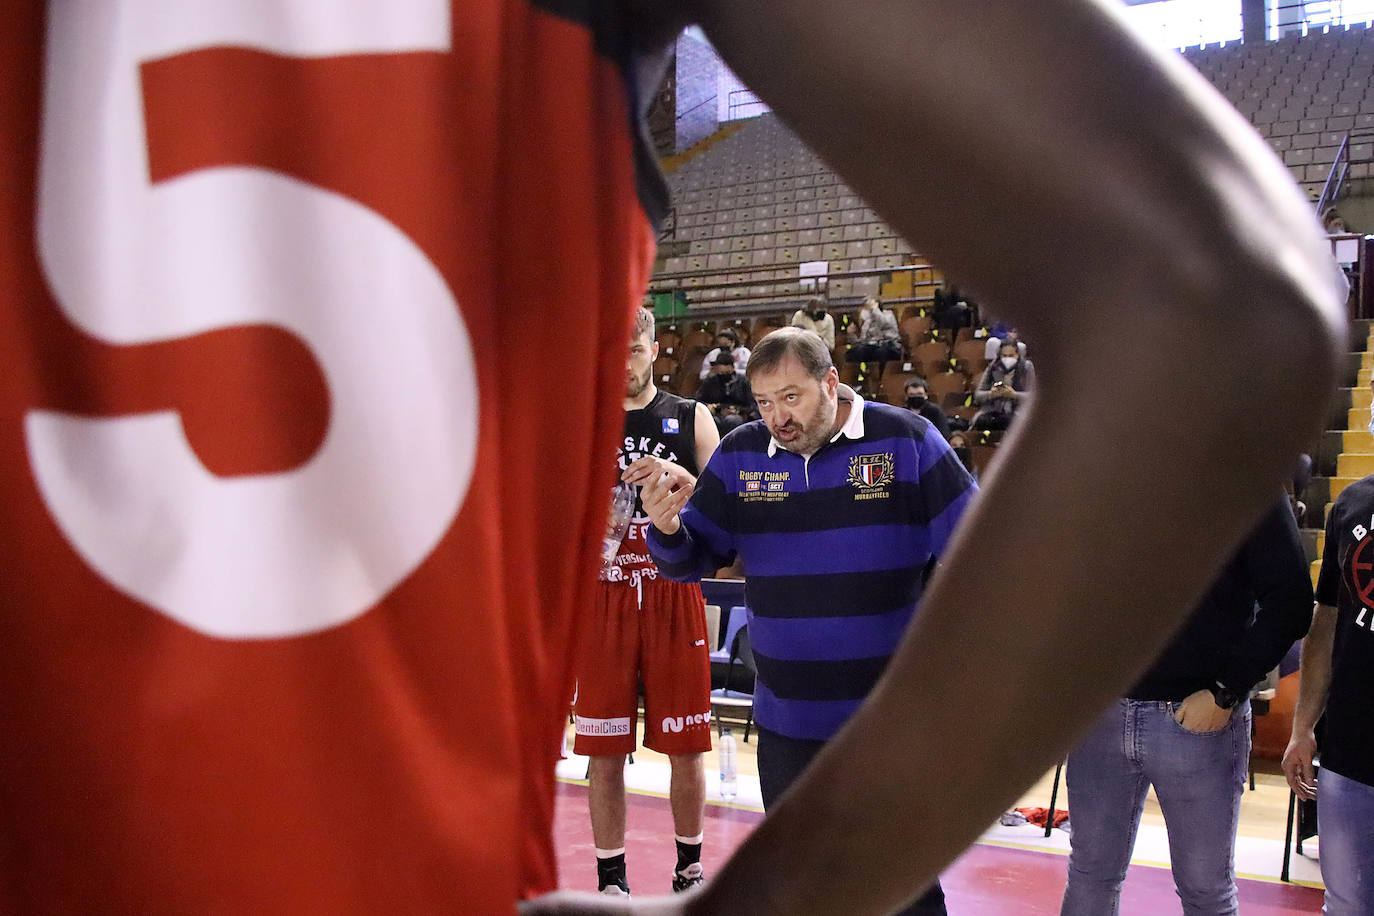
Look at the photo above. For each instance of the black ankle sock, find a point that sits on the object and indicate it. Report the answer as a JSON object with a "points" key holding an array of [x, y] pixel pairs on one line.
{"points": [[611, 870], [687, 853]]}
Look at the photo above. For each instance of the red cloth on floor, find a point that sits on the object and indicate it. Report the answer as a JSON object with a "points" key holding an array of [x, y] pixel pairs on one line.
{"points": [[1038, 816]]}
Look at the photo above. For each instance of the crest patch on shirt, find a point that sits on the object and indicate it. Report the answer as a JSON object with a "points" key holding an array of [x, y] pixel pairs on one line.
{"points": [[871, 475], [670, 425]]}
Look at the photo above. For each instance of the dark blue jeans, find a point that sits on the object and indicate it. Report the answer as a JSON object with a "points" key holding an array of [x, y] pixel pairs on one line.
{"points": [[781, 760]]}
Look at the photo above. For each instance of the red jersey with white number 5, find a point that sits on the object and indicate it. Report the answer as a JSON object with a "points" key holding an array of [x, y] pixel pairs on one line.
{"points": [[288, 578]]}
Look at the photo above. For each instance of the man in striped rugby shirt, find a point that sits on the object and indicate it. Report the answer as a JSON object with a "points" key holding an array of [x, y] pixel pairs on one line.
{"points": [[839, 508]]}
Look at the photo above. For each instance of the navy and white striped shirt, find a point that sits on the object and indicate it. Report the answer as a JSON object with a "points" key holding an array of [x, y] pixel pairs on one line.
{"points": [[835, 550]]}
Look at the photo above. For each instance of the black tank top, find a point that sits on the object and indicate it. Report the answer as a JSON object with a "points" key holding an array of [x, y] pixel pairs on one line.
{"points": [[664, 428]]}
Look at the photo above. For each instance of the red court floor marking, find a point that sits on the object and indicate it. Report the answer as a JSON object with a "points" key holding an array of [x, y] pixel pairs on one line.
{"points": [[986, 881]]}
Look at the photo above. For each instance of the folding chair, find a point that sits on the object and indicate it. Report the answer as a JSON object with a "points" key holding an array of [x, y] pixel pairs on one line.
{"points": [[1054, 797], [1302, 822], [735, 621], [737, 702]]}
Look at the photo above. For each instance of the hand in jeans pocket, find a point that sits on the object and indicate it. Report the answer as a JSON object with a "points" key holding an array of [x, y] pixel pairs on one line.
{"points": [[1199, 713]]}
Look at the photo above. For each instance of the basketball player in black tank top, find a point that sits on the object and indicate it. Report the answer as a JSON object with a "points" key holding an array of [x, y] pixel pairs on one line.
{"points": [[650, 630]]}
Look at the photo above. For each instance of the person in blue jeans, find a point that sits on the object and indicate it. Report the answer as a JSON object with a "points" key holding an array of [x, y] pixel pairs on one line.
{"points": [[1185, 729], [1337, 685]]}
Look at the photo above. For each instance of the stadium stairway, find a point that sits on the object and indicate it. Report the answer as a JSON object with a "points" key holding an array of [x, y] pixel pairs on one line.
{"points": [[670, 164], [1353, 445]]}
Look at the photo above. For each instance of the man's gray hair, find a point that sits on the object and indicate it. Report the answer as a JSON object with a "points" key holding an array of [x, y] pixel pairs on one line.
{"points": [[805, 346]]}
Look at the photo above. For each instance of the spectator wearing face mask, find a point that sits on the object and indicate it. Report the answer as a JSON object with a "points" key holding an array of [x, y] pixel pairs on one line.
{"points": [[726, 394], [963, 451], [726, 342], [1004, 386], [918, 401], [879, 341], [814, 317]]}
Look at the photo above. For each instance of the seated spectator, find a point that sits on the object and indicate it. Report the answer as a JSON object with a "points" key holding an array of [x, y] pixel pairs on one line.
{"points": [[999, 334], [1333, 222], [879, 339], [814, 317], [727, 341], [1003, 387], [918, 401], [727, 394], [959, 443], [1302, 476], [952, 310]]}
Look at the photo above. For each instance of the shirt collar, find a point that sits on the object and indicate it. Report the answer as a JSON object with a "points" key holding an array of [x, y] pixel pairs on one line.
{"points": [[853, 427]]}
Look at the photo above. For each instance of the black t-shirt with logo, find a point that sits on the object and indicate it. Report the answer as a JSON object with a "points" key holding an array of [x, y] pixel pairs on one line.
{"points": [[1346, 582]]}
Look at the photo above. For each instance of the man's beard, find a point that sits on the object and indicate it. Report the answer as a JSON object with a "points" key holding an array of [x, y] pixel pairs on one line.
{"points": [[814, 433], [639, 383]]}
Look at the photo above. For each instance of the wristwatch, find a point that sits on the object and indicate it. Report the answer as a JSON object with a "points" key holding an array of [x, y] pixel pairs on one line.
{"points": [[1226, 697]]}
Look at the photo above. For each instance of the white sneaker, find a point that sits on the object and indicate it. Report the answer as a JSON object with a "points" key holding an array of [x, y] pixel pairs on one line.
{"points": [[688, 878]]}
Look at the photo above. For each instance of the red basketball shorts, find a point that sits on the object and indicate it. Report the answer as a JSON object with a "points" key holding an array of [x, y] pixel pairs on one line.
{"points": [[655, 633]]}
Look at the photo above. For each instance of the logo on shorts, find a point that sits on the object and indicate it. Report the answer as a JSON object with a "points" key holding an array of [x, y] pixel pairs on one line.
{"points": [[599, 728], [871, 475], [678, 723]]}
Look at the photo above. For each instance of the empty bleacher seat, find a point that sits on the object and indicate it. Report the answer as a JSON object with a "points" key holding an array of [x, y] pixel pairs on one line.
{"points": [[943, 385], [932, 356]]}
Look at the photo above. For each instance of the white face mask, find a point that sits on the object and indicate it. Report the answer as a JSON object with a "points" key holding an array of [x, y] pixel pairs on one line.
{"points": [[1009, 362]]}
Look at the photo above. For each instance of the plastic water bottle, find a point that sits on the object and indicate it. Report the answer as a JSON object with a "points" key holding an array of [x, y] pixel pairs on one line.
{"points": [[729, 774], [622, 510]]}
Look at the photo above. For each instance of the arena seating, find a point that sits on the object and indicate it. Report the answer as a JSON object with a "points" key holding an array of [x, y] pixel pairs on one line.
{"points": [[1303, 94], [757, 204], [754, 205]]}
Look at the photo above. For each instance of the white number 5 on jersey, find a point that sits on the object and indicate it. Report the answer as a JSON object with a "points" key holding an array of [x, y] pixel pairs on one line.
{"points": [[272, 555]]}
